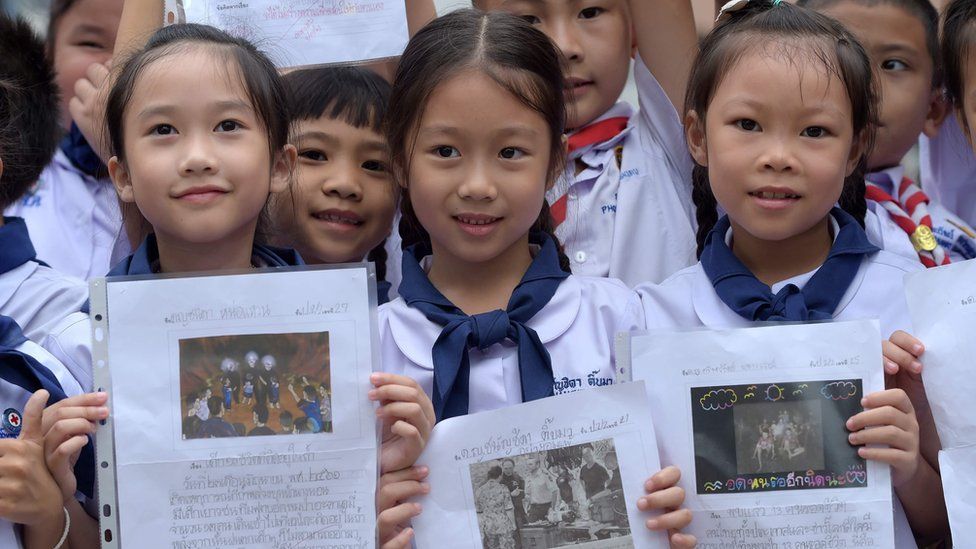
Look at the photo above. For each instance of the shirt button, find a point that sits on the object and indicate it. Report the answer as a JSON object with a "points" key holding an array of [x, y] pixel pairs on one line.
{"points": [[581, 257]]}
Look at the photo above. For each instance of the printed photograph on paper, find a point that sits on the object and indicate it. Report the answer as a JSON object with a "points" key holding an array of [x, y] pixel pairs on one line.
{"points": [[776, 436], [255, 385], [565, 497]]}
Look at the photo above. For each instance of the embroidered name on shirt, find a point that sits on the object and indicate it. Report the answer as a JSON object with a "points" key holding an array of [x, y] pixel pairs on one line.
{"points": [[31, 200], [629, 173]]}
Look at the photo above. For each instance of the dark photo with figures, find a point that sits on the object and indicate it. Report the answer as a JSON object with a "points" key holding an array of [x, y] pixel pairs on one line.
{"points": [[776, 436], [255, 385], [570, 496]]}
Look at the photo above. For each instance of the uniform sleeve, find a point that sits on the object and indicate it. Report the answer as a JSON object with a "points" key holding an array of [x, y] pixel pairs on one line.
{"points": [[660, 128], [70, 342]]}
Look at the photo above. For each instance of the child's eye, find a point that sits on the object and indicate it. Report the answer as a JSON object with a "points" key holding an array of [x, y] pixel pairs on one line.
{"points": [[227, 126], [814, 131], [162, 129], [748, 125], [447, 151], [93, 45], [314, 155], [531, 19], [374, 166], [511, 153], [894, 65], [590, 13]]}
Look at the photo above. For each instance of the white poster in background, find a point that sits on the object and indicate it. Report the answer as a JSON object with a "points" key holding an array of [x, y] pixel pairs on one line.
{"points": [[297, 33], [239, 405], [942, 303], [564, 471], [755, 418]]}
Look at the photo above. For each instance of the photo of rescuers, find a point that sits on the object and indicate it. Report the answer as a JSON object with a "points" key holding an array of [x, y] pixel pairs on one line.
{"points": [[254, 385]]}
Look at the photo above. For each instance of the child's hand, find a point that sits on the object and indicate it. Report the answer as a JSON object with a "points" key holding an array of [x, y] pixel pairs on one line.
{"points": [[663, 493], [87, 107], [393, 520], [891, 419], [901, 352], [67, 426], [408, 418], [28, 493]]}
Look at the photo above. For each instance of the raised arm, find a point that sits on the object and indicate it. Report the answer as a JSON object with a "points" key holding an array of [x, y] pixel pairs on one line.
{"points": [[667, 42], [140, 19]]}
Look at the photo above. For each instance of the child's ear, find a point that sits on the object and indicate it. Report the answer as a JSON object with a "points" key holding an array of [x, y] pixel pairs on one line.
{"points": [[938, 110], [858, 147], [284, 166], [121, 180], [695, 135]]}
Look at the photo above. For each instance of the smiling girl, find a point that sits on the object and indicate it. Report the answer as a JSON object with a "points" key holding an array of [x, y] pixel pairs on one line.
{"points": [[780, 111]]}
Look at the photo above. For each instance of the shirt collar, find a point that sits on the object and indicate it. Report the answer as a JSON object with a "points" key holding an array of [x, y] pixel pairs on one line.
{"points": [[888, 179], [15, 244]]}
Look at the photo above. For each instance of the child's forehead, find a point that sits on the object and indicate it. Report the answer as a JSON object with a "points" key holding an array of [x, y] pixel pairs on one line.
{"points": [[881, 25], [515, 5]]}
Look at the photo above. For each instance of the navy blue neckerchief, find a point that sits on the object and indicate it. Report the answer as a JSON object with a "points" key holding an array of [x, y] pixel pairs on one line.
{"points": [[383, 292], [79, 152], [146, 256], [462, 332], [753, 300], [28, 373], [15, 245]]}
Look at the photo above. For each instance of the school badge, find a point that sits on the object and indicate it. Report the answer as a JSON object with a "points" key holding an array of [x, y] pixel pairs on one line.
{"points": [[12, 421]]}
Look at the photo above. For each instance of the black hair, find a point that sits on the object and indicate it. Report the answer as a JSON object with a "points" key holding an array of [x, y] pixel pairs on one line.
{"points": [[506, 48], [257, 74], [754, 26], [355, 95], [923, 10], [958, 37], [510, 460], [494, 472], [262, 413], [29, 125], [215, 405], [286, 420]]}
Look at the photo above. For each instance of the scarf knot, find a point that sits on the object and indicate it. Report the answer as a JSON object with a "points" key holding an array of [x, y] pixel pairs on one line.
{"points": [[461, 332]]}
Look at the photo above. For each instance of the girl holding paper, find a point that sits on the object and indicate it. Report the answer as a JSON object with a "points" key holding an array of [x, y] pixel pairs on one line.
{"points": [[200, 166], [780, 114], [489, 315]]}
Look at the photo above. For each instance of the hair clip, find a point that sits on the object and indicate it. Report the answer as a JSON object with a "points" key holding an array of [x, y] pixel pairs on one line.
{"points": [[736, 5]]}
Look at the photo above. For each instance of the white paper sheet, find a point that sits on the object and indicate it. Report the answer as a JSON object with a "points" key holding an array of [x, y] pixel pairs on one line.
{"points": [[305, 32], [942, 302], [167, 344], [556, 433], [724, 402]]}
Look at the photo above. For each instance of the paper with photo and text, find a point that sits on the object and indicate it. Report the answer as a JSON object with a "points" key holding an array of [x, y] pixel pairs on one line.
{"points": [[296, 33], [239, 406], [942, 302], [590, 452], [755, 419]]}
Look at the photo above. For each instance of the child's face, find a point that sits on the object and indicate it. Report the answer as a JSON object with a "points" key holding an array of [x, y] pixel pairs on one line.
{"points": [[895, 41], [596, 38], [777, 142], [197, 162], [478, 170], [343, 197], [85, 34]]}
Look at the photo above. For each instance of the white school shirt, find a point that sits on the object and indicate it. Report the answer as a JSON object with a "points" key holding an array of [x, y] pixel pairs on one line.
{"points": [[948, 170], [884, 233], [577, 327], [38, 298], [951, 232], [688, 300], [70, 342], [634, 221], [74, 220], [14, 396]]}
